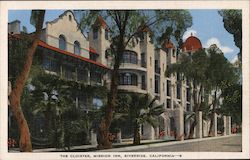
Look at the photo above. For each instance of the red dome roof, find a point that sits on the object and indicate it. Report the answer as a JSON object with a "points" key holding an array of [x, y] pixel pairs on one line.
{"points": [[192, 44]]}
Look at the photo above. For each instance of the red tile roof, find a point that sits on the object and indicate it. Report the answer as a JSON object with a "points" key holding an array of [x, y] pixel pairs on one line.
{"points": [[168, 44], [92, 50], [100, 21], [45, 45], [192, 43]]}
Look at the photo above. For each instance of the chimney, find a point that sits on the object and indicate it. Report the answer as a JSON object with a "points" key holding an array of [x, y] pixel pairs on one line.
{"points": [[14, 27]]}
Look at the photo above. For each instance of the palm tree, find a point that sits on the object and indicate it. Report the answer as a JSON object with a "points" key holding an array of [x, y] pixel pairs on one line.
{"points": [[37, 19], [52, 100], [141, 109]]}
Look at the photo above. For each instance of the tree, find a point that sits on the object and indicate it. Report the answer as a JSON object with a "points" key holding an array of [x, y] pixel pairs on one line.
{"points": [[53, 99], [126, 28], [220, 73], [141, 109], [37, 19], [233, 24], [232, 102], [193, 67]]}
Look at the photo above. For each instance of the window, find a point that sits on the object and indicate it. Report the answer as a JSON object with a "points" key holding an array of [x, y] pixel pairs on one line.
{"points": [[82, 75], [129, 57], [143, 82], [77, 48], [188, 95], [69, 72], [95, 33], [70, 18], [151, 83], [157, 84], [150, 61], [168, 88], [95, 77], [168, 103], [178, 91], [143, 60], [128, 79], [173, 53], [106, 34], [62, 42], [157, 67], [51, 65], [168, 74]]}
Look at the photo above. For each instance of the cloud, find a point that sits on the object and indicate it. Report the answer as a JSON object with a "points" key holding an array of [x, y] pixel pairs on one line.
{"points": [[188, 34], [234, 59], [213, 40]]}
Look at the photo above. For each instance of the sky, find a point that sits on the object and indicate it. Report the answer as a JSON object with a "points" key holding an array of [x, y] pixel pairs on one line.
{"points": [[207, 26]]}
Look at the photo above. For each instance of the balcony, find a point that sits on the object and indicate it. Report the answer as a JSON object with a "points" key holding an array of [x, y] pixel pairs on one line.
{"points": [[136, 65], [132, 88]]}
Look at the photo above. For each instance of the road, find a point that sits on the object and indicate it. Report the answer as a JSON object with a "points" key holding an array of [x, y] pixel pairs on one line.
{"points": [[226, 144]]}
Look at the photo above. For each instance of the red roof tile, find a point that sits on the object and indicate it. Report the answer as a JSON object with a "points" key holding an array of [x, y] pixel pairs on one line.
{"points": [[45, 45], [168, 44], [192, 44], [92, 50], [100, 21]]}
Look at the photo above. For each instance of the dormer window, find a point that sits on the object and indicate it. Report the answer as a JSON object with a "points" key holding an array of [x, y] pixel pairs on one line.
{"points": [[62, 42], [77, 48]]}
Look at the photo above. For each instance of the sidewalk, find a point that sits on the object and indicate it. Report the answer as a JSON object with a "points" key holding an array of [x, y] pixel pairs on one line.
{"points": [[145, 144]]}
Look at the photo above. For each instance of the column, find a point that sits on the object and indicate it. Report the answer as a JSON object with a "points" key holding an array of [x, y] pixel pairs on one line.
{"points": [[214, 132], [148, 132], [179, 123], [224, 125], [228, 130], [166, 128], [119, 136], [93, 137], [199, 125], [157, 133]]}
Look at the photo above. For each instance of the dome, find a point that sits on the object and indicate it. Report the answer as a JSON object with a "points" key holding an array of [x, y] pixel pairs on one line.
{"points": [[192, 43]]}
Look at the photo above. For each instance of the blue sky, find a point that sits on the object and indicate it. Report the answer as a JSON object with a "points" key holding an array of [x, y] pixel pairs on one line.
{"points": [[207, 26]]}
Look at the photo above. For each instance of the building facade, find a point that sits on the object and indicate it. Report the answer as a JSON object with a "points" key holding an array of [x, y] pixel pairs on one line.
{"points": [[69, 53]]}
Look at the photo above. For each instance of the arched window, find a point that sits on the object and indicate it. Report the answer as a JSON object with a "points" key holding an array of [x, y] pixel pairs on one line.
{"points": [[77, 48], [62, 42], [128, 79], [129, 57]]}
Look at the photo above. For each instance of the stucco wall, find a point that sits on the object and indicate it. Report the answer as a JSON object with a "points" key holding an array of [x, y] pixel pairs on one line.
{"points": [[64, 26]]}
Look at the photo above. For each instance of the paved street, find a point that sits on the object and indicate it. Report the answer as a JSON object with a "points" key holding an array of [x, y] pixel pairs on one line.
{"points": [[226, 144]]}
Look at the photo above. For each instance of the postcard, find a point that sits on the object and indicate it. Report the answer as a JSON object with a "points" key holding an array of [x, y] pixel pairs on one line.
{"points": [[124, 80]]}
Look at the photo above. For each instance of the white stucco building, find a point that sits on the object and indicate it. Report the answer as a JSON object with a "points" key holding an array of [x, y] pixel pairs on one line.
{"points": [[69, 53]]}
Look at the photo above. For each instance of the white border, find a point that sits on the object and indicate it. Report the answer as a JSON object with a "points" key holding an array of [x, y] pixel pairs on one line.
{"points": [[5, 6]]}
